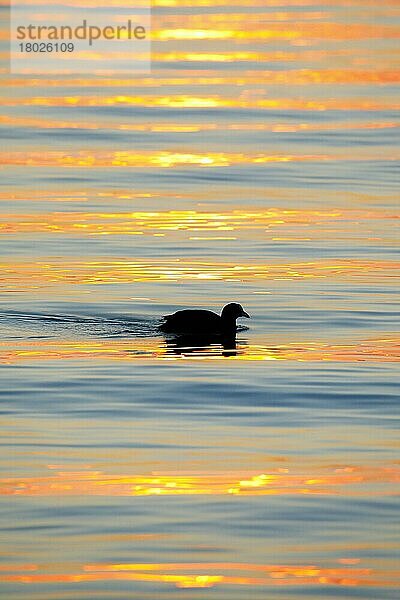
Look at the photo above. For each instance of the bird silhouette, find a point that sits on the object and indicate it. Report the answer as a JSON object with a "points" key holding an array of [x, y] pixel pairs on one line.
{"points": [[204, 322]]}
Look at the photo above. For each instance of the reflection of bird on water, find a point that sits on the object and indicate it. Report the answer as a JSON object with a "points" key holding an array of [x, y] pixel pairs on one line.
{"points": [[204, 322], [202, 344]]}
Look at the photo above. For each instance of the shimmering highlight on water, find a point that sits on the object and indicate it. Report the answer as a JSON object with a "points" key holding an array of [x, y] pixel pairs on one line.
{"points": [[256, 163]]}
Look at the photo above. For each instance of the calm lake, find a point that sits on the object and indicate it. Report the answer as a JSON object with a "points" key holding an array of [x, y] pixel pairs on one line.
{"points": [[256, 163]]}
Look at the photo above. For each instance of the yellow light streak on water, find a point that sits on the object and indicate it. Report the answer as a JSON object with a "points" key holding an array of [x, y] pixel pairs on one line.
{"points": [[239, 220], [171, 159], [128, 271], [206, 575], [281, 77], [125, 158], [190, 102], [284, 30], [381, 58], [383, 349], [282, 127], [322, 30], [324, 481], [203, 3], [27, 275], [124, 197]]}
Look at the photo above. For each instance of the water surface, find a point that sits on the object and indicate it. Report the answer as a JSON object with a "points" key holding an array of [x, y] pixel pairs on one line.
{"points": [[257, 163]]}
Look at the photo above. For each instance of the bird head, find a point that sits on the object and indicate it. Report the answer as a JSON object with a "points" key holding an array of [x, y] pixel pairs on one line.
{"points": [[233, 311]]}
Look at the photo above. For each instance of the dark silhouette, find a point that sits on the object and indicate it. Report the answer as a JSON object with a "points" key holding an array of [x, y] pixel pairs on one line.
{"points": [[204, 322]]}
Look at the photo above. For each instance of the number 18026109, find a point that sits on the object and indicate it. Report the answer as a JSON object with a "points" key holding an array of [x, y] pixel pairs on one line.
{"points": [[46, 47]]}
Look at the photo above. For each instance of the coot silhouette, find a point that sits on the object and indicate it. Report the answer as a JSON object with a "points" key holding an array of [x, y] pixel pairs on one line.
{"points": [[204, 322]]}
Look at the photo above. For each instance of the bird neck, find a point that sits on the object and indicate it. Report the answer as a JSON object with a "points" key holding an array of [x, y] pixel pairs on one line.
{"points": [[229, 321]]}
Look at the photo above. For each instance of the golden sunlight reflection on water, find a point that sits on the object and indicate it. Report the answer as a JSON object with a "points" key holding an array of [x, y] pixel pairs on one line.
{"points": [[320, 481], [316, 224], [347, 573], [254, 163], [282, 127], [208, 102], [27, 275], [384, 349]]}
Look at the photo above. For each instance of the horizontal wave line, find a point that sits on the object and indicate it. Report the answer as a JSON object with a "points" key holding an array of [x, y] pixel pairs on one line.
{"points": [[382, 350], [107, 271], [168, 159], [207, 102]]}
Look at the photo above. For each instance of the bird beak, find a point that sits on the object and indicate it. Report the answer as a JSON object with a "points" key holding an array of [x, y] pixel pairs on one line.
{"points": [[244, 314]]}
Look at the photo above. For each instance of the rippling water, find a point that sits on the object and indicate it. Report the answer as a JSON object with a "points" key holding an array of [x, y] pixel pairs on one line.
{"points": [[257, 163]]}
